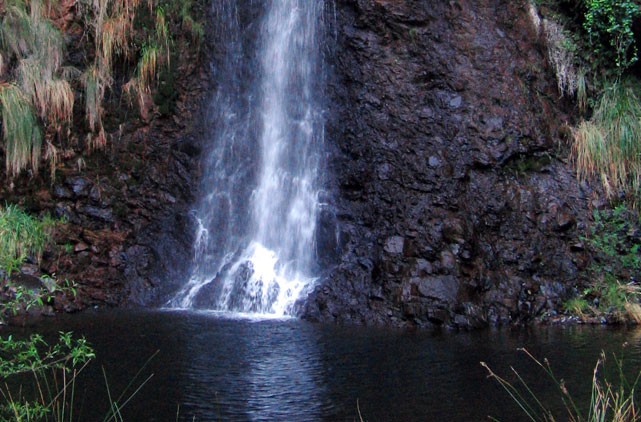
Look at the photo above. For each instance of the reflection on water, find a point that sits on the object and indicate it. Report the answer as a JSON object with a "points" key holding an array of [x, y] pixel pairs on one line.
{"points": [[214, 368]]}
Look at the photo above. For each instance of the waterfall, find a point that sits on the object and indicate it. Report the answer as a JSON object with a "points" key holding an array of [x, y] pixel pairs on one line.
{"points": [[255, 244]]}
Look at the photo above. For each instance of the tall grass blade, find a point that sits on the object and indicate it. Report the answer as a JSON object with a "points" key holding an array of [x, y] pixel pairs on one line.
{"points": [[21, 132]]}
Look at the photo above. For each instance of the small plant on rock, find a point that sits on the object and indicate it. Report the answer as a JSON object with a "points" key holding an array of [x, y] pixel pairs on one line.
{"points": [[21, 235]]}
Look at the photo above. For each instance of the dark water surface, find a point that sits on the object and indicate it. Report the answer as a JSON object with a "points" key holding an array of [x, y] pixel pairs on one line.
{"points": [[213, 368]]}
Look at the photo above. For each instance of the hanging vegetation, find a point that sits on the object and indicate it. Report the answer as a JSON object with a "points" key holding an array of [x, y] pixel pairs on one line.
{"points": [[38, 90]]}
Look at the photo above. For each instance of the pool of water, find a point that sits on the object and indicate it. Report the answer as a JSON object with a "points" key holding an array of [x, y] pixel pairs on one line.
{"points": [[213, 367]]}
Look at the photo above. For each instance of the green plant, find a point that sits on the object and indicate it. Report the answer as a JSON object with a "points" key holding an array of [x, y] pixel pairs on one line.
{"points": [[613, 290], [37, 88], [21, 133], [609, 27], [20, 236], [53, 369], [20, 298], [39, 380], [194, 28], [607, 145], [577, 306], [608, 401]]}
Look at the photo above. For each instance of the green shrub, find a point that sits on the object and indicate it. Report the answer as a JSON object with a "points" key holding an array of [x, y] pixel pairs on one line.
{"points": [[609, 27]]}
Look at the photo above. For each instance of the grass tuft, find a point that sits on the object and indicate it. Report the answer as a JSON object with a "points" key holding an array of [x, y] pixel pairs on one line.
{"points": [[115, 35], [607, 146], [21, 132], [148, 65], [95, 84], [561, 50], [21, 235], [608, 401]]}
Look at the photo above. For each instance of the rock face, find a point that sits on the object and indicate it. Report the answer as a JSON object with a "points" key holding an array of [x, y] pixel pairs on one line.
{"points": [[128, 235], [448, 183], [454, 201]]}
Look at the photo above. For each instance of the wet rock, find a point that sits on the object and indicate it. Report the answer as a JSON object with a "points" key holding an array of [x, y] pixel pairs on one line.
{"points": [[394, 245], [327, 241], [564, 220], [448, 176], [433, 161], [27, 281], [456, 101], [448, 260], [80, 246], [80, 186], [100, 213], [61, 192], [441, 288]]}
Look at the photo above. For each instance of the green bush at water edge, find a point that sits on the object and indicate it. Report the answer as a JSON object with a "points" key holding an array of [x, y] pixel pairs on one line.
{"points": [[614, 291]]}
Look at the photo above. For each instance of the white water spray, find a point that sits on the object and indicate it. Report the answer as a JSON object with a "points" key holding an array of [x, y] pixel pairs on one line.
{"points": [[255, 246]]}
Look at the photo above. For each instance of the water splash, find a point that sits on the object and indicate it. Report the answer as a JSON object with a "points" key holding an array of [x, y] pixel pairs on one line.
{"points": [[255, 244]]}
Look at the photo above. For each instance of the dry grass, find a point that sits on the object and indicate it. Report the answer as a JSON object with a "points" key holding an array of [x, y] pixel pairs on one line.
{"points": [[32, 54], [37, 46], [607, 146], [97, 140], [95, 85], [582, 89], [140, 86], [115, 35], [114, 28], [16, 29], [560, 52], [561, 56], [608, 402], [534, 17], [52, 97], [26, 32], [51, 154], [148, 65], [21, 132]]}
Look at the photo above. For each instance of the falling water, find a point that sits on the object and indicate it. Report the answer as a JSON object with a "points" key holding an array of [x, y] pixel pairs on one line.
{"points": [[255, 248]]}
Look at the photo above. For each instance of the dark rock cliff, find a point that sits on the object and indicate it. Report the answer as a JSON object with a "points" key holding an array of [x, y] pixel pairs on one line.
{"points": [[450, 188], [455, 201], [127, 235]]}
